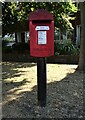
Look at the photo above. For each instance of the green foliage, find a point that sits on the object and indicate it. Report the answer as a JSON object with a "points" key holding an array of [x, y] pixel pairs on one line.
{"points": [[6, 40], [9, 15], [21, 47], [4, 43], [6, 49], [13, 12], [65, 49]]}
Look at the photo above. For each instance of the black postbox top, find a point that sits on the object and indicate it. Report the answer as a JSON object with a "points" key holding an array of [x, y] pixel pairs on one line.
{"points": [[40, 14]]}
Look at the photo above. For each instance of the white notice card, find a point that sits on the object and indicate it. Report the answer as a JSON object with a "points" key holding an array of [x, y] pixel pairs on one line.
{"points": [[42, 37]]}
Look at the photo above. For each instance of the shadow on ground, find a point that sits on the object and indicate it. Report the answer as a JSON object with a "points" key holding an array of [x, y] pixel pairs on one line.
{"points": [[64, 99], [11, 68]]}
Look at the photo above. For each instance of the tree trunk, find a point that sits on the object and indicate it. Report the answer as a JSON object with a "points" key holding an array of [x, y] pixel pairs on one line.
{"points": [[16, 37], [81, 65], [23, 37]]}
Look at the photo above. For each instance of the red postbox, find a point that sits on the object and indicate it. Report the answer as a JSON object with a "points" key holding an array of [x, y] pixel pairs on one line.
{"points": [[41, 27]]}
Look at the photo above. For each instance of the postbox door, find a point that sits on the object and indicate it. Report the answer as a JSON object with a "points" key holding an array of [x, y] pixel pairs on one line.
{"points": [[42, 39]]}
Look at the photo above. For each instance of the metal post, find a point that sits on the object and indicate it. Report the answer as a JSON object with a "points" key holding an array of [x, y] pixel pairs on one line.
{"points": [[41, 81]]}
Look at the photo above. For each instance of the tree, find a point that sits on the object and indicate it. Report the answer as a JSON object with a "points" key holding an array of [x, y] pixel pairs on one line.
{"points": [[81, 65], [9, 15], [14, 12]]}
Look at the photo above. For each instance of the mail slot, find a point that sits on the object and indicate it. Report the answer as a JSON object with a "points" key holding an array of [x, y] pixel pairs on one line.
{"points": [[41, 28]]}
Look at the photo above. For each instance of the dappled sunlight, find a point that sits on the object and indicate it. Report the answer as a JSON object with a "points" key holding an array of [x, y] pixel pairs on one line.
{"points": [[18, 91], [9, 98], [18, 71], [56, 72], [17, 79], [64, 91], [22, 77]]}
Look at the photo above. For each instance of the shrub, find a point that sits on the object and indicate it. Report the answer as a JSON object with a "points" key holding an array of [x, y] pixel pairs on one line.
{"points": [[20, 47], [65, 49], [6, 49], [4, 43]]}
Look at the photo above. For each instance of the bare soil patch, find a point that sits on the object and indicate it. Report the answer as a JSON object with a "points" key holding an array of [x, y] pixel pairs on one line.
{"points": [[64, 91]]}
